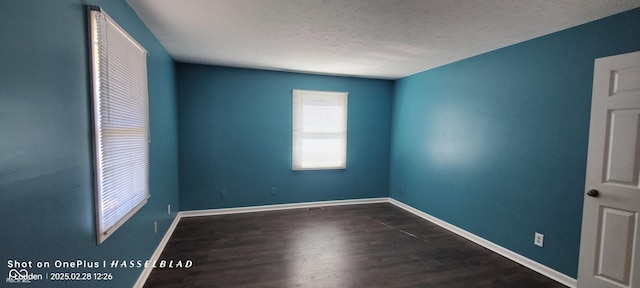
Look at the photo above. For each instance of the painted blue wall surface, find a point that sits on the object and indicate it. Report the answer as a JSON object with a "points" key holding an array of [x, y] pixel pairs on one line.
{"points": [[46, 181], [497, 144], [235, 134]]}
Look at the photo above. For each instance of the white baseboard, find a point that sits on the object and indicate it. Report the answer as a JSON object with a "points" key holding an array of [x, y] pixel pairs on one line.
{"points": [[156, 254], [209, 212], [524, 261], [533, 265]]}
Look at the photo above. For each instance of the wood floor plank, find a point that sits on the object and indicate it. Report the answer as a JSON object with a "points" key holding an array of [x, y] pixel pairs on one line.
{"points": [[368, 245]]}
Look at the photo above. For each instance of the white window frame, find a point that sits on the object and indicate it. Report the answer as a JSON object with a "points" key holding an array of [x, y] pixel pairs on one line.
{"points": [[120, 114], [329, 129]]}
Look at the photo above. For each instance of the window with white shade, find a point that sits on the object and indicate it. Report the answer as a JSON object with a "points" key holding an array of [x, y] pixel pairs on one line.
{"points": [[319, 130], [120, 123]]}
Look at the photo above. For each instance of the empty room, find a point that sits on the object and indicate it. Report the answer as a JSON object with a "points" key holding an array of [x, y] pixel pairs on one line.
{"points": [[353, 143]]}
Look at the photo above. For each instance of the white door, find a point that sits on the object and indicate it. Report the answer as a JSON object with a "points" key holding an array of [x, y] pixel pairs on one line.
{"points": [[609, 250]]}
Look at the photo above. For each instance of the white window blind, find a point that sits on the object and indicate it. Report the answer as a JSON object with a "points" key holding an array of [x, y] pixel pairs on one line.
{"points": [[121, 123], [319, 130]]}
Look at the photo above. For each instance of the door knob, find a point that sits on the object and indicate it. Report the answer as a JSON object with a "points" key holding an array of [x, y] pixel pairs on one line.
{"points": [[593, 193]]}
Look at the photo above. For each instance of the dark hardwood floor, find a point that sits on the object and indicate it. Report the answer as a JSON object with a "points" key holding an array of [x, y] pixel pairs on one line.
{"points": [[369, 245]]}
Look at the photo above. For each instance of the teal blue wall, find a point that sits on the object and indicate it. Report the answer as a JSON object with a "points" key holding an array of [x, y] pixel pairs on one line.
{"points": [[235, 134], [46, 182], [497, 144]]}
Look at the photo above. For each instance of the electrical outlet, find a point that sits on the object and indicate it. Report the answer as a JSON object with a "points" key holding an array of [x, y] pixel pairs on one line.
{"points": [[538, 239], [402, 190], [273, 191], [223, 193], [169, 209], [155, 227]]}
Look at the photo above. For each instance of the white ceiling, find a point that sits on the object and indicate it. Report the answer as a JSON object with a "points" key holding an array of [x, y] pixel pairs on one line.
{"points": [[386, 39]]}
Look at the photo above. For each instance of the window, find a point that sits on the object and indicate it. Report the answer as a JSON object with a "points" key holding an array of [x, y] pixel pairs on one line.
{"points": [[120, 123], [319, 130]]}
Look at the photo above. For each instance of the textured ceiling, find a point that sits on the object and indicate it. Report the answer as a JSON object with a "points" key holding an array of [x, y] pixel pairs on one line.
{"points": [[365, 38]]}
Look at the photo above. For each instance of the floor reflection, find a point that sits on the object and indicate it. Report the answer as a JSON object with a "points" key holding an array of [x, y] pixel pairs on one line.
{"points": [[320, 255]]}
